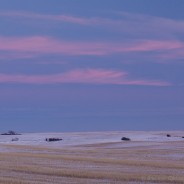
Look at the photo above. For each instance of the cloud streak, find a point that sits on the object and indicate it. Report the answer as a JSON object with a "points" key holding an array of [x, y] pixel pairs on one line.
{"points": [[147, 24], [48, 45], [87, 76], [127, 22], [152, 33], [29, 15]]}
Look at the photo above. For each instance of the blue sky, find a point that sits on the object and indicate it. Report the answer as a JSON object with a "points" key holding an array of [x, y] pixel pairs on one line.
{"points": [[83, 65]]}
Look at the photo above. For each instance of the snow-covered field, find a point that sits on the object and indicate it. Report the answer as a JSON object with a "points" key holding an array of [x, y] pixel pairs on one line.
{"points": [[93, 157], [83, 138]]}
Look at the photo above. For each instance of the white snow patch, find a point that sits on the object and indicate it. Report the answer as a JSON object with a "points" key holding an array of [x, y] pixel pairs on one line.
{"points": [[76, 139]]}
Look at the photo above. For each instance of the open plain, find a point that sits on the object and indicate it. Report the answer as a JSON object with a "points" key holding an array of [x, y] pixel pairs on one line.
{"points": [[93, 157]]}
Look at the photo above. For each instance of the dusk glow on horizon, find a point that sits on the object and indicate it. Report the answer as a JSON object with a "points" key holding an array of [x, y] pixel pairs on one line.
{"points": [[80, 65]]}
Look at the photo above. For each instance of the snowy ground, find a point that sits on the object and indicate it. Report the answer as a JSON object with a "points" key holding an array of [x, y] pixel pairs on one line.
{"points": [[93, 157], [85, 138]]}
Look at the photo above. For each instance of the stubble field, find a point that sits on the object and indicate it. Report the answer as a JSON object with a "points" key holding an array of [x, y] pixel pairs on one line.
{"points": [[136, 161]]}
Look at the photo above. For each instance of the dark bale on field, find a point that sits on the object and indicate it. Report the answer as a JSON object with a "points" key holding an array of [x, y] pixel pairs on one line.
{"points": [[53, 139], [15, 139], [168, 135], [125, 139]]}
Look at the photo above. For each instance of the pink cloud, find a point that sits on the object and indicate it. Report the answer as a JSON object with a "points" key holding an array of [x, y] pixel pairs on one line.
{"points": [[38, 44], [47, 45], [163, 21], [154, 45], [127, 22], [88, 76], [16, 55], [173, 54], [62, 18]]}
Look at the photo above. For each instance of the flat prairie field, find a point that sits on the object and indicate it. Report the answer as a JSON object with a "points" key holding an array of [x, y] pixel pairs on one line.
{"points": [[93, 158]]}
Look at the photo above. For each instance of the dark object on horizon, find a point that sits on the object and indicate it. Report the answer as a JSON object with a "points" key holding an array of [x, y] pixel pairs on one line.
{"points": [[125, 139], [183, 137], [15, 139], [53, 139], [168, 135], [10, 133]]}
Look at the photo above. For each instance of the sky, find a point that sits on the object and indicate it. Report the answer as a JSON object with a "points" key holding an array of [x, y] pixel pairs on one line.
{"points": [[81, 65]]}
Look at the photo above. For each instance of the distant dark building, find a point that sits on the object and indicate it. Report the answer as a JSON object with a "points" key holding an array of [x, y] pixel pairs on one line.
{"points": [[10, 133]]}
